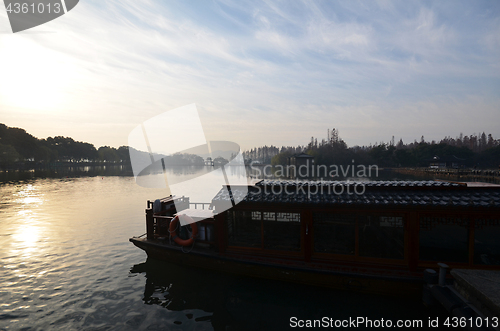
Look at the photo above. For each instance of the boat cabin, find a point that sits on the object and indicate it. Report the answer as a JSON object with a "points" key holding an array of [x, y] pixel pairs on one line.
{"points": [[386, 230]]}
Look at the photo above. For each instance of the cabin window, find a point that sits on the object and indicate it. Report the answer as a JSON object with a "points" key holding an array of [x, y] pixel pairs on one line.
{"points": [[281, 231], [444, 239], [381, 237], [264, 229], [205, 231], [334, 233], [243, 229], [486, 237]]}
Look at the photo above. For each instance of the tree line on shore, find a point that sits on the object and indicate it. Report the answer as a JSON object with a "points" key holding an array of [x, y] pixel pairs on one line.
{"points": [[18, 148], [481, 151]]}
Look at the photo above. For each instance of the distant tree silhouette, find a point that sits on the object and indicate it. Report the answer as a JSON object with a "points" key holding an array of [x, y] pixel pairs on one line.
{"points": [[333, 150], [17, 147], [8, 155]]}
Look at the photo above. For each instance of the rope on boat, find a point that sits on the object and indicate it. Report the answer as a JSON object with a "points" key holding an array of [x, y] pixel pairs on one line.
{"points": [[170, 232], [194, 240]]}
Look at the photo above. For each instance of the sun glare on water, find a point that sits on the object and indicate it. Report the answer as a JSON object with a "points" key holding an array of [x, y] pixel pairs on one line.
{"points": [[28, 236], [28, 233]]}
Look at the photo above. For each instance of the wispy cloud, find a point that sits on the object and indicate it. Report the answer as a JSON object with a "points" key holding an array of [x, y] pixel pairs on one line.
{"points": [[262, 72]]}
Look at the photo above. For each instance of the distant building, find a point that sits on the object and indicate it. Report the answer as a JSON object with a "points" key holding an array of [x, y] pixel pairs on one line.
{"points": [[298, 163], [301, 159], [218, 161], [448, 161]]}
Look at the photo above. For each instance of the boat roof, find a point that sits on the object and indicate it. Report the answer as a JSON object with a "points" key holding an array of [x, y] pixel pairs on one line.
{"points": [[375, 193], [389, 183], [481, 184]]}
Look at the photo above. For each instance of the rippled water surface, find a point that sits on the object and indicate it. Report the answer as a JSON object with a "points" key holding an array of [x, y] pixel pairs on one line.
{"points": [[66, 263]]}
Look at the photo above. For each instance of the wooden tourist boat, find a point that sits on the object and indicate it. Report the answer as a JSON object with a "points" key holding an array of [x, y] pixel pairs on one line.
{"points": [[373, 236]]}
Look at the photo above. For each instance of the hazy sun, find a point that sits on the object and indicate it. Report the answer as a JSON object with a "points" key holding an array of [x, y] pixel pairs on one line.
{"points": [[32, 76]]}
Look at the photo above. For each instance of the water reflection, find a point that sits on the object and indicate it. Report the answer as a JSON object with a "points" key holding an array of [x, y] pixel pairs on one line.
{"points": [[27, 237], [223, 301], [27, 200], [229, 302], [179, 289], [62, 242], [65, 264], [62, 172]]}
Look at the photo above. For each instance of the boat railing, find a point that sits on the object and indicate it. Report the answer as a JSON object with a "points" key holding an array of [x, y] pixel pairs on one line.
{"points": [[159, 228], [182, 202], [208, 205], [157, 223]]}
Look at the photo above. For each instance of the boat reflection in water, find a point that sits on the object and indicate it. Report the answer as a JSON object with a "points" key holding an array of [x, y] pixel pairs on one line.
{"points": [[177, 289], [209, 298], [214, 300]]}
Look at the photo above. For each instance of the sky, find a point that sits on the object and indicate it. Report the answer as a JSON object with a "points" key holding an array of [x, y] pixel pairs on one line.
{"points": [[259, 72]]}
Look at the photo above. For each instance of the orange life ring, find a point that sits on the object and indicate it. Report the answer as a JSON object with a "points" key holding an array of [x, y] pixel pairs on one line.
{"points": [[175, 236]]}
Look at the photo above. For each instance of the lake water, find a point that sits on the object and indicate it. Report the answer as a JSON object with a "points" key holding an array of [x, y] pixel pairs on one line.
{"points": [[66, 264]]}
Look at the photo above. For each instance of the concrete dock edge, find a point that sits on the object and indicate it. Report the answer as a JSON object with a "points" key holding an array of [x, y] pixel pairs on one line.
{"points": [[481, 288]]}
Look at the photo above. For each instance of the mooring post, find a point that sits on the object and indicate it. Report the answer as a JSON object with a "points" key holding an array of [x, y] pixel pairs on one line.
{"points": [[149, 224], [430, 279], [442, 273]]}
